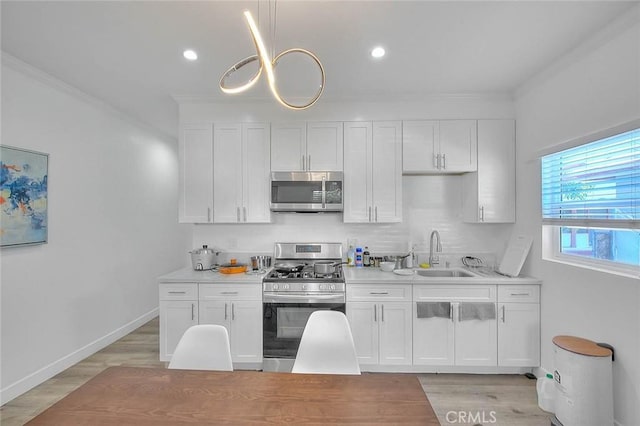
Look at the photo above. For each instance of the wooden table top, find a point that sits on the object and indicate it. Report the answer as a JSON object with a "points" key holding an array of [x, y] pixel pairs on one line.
{"points": [[154, 396]]}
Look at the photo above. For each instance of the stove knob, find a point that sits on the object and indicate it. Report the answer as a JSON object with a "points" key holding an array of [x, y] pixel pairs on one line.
{"points": [[286, 286], [323, 287], [304, 286], [275, 286], [333, 286]]}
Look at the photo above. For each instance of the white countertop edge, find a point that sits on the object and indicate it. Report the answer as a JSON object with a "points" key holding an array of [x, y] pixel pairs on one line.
{"points": [[188, 275], [376, 276]]}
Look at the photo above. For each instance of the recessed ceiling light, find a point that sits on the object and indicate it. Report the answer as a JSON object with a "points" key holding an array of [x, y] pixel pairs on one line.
{"points": [[190, 55], [377, 52]]}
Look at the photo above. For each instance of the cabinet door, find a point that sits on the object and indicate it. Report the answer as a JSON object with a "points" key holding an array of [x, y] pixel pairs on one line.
{"points": [[363, 318], [519, 335], [176, 317], [420, 146], [476, 341], [227, 173], [288, 147], [395, 333], [325, 146], [246, 331], [196, 173], [358, 157], [433, 340], [496, 176], [387, 172], [458, 146], [215, 312], [256, 173]]}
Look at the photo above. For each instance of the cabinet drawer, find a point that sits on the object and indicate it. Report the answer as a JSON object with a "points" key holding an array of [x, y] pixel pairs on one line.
{"points": [[519, 293], [179, 291], [480, 293], [231, 292], [392, 292]]}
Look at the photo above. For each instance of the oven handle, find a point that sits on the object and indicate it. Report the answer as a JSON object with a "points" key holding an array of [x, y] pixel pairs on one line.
{"points": [[296, 298]]}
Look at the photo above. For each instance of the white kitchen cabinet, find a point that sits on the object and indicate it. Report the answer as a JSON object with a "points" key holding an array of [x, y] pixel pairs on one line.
{"points": [[519, 326], [196, 171], [178, 312], [489, 194], [449, 341], [436, 147], [239, 309], [313, 146], [373, 172], [241, 173], [380, 319]]}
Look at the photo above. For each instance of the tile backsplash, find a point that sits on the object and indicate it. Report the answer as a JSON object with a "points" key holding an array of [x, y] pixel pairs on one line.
{"points": [[429, 202]]}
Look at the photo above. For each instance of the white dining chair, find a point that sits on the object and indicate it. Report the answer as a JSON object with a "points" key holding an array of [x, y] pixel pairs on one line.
{"points": [[203, 347], [326, 346]]}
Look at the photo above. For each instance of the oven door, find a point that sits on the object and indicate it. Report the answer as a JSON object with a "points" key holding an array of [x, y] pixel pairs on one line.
{"points": [[285, 316]]}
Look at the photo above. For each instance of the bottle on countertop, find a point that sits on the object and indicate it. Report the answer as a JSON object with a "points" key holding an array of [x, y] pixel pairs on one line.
{"points": [[366, 257], [358, 258], [351, 254]]}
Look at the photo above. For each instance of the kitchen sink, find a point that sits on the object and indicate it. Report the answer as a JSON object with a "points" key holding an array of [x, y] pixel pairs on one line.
{"points": [[440, 273]]}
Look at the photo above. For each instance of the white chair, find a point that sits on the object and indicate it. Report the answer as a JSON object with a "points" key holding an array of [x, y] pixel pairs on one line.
{"points": [[326, 346], [203, 347]]}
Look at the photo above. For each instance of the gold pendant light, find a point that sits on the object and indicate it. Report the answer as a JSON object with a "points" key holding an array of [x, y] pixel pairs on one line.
{"points": [[269, 65]]}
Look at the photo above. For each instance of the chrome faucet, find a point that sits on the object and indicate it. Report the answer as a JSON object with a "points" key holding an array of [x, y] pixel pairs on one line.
{"points": [[434, 259]]}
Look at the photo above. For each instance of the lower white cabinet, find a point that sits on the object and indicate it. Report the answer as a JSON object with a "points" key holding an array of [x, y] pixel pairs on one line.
{"points": [[518, 326], [380, 319], [449, 341], [178, 312], [239, 309]]}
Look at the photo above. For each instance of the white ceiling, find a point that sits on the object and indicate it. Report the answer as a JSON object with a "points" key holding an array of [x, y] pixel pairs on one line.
{"points": [[129, 54]]}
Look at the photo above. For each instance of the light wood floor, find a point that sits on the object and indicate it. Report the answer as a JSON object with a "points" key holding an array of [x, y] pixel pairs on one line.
{"points": [[458, 399]]}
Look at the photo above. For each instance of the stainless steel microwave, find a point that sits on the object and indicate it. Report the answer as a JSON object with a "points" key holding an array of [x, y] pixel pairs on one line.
{"points": [[306, 191]]}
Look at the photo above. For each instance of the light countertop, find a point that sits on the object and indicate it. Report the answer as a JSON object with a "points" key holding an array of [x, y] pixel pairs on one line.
{"points": [[375, 275], [188, 275]]}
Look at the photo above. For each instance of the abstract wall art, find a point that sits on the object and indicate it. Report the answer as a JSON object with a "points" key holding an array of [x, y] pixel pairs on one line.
{"points": [[23, 196]]}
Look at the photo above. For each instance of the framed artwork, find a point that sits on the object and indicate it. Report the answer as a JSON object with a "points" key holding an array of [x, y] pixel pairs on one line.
{"points": [[24, 185]]}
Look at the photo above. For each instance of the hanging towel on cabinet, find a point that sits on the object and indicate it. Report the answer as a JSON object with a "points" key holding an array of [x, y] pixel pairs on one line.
{"points": [[476, 311], [433, 309]]}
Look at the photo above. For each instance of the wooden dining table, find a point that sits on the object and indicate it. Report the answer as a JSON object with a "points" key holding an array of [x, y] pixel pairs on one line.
{"points": [[156, 396]]}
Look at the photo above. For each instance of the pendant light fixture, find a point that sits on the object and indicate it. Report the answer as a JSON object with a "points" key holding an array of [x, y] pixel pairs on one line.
{"points": [[268, 64]]}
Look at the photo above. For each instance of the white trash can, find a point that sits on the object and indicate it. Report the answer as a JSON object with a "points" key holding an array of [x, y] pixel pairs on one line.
{"points": [[584, 382]]}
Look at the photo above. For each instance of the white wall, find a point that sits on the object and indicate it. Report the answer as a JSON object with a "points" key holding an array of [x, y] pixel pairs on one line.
{"points": [[112, 228], [595, 88], [429, 202]]}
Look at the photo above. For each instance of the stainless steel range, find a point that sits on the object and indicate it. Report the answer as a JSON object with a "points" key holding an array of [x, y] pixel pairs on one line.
{"points": [[306, 277]]}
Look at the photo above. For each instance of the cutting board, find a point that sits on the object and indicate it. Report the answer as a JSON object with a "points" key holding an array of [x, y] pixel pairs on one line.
{"points": [[515, 255]]}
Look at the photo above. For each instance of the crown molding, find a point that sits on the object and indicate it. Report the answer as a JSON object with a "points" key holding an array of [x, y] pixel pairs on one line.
{"points": [[37, 74]]}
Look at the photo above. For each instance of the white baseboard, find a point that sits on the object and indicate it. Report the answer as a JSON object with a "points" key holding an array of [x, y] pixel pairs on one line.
{"points": [[34, 379]]}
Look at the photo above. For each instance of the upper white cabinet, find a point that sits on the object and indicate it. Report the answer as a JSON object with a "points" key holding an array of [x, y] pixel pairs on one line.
{"points": [[444, 146], [373, 172], [241, 173], [196, 171], [307, 146], [489, 194]]}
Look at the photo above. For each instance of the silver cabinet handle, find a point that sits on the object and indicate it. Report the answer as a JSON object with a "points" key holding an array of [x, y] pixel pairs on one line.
{"points": [[302, 159], [481, 213], [369, 213], [244, 209], [518, 294], [436, 161], [382, 308], [208, 214], [177, 292], [324, 191], [193, 311], [375, 313], [225, 311], [503, 313], [309, 163], [233, 312], [444, 161], [229, 292], [238, 214], [378, 292], [451, 311], [376, 213]]}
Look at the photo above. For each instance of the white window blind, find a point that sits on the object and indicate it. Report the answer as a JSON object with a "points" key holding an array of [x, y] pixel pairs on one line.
{"points": [[596, 184]]}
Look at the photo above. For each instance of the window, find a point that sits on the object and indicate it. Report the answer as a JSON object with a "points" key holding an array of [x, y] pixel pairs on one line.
{"points": [[591, 204]]}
